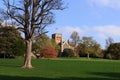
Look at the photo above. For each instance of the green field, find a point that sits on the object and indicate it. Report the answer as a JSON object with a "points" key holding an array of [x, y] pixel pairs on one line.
{"points": [[61, 69]]}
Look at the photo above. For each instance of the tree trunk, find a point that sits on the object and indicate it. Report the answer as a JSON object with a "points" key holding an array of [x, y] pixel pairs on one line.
{"points": [[88, 55], [27, 61]]}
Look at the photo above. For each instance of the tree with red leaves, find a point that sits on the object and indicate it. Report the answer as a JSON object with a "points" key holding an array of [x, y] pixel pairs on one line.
{"points": [[48, 52]]}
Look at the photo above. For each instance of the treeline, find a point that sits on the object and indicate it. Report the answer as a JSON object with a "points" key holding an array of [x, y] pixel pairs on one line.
{"points": [[88, 47], [12, 45]]}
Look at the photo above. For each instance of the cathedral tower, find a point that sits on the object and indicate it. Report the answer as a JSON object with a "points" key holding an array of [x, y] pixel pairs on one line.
{"points": [[57, 38]]}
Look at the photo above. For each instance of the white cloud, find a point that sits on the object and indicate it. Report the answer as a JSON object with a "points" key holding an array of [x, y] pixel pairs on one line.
{"points": [[107, 30], [106, 3], [70, 29], [67, 31], [99, 33]]}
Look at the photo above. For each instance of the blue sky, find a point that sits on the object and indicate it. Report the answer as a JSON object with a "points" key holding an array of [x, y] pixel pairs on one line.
{"points": [[99, 19]]}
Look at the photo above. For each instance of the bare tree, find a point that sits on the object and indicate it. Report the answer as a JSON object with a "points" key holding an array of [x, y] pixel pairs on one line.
{"points": [[75, 39], [109, 41], [32, 16]]}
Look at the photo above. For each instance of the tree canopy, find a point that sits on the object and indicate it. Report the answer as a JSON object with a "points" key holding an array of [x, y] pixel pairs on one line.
{"points": [[43, 41], [113, 51], [11, 42], [89, 47]]}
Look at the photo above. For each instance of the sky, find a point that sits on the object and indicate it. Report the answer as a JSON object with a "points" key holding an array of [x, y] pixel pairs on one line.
{"points": [[98, 19]]}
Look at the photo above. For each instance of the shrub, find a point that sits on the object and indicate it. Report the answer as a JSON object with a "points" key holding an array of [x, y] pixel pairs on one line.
{"points": [[48, 52], [68, 53]]}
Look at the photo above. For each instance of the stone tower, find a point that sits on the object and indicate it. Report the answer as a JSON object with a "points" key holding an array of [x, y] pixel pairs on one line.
{"points": [[57, 38]]}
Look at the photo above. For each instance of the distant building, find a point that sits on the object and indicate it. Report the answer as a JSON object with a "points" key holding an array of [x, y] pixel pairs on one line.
{"points": [[57, 38], [63, 44]]}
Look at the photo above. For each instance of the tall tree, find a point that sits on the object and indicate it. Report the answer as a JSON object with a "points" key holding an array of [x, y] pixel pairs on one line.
{"points": [[75, 39], [32, 16]]}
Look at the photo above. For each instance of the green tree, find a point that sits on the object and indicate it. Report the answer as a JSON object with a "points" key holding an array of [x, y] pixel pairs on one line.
{"points": [[89, 47], [18, 48], [9, 37], [32, 16], [113, 51], [55, 46], [81, 49], [42, 41]]}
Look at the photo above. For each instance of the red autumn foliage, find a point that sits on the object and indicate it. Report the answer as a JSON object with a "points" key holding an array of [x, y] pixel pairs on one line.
{"points": [[48, 52]]}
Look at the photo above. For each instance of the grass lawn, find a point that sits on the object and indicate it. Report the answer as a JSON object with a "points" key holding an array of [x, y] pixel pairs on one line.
{"points": [[61, 69]]}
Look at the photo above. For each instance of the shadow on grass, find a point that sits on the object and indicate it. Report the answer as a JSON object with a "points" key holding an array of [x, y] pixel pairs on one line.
{"points": [[110, 74], [2, 77], [10, 65]]}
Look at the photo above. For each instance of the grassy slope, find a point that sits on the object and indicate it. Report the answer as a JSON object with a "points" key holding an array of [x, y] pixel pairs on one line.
{"points": [[61, 69]]}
